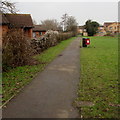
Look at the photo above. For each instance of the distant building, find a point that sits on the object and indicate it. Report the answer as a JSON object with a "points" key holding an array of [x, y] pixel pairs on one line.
{"points": [[101, 31], [108, 28], [82, 31], [106, 24], [85, 33], [38, 31], [112, 27]]}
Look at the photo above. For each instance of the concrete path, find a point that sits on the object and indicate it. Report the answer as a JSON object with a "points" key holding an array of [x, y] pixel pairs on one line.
{"points": [[51, 93]]}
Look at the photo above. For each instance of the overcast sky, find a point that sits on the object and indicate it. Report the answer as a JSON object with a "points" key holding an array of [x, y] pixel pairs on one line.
{"points": [[82, 11]]}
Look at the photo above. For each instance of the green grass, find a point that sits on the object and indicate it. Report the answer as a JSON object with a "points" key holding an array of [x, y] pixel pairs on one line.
{"points": [[16, 78], [99, 78]]}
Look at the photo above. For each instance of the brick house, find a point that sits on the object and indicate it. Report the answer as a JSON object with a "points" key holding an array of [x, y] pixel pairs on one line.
{"points": [[112, 27], [82, 31], [106, 24], [38, 31], [21, 22], [101, 31]]}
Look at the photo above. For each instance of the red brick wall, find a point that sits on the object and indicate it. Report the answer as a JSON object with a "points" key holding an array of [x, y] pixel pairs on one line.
{"points": [[28, 32], [3, 31], [43, 33], [37, 34]]}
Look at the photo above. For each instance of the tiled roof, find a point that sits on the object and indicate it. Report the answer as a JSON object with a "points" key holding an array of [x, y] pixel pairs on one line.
{"points": [[38, 28], [19, 20], [3, 19], [106, 24]]}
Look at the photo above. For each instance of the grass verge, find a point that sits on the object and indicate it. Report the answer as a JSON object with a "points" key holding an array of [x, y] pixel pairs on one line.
{"points": [[16, 78], [98, 87]]}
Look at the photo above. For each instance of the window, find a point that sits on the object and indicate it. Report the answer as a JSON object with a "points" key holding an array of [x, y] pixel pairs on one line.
{"points": [[110, 28]]}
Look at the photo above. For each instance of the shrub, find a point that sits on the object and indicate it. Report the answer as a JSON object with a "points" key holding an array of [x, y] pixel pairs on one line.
{"points": [[64, 36], [50, 38], [47, 40], [16, 49]]}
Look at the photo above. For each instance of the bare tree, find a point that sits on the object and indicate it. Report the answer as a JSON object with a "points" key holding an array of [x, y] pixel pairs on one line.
{"points": [[34, 22], [7, 7], [71, 25], [50, 24], [64, 21]]}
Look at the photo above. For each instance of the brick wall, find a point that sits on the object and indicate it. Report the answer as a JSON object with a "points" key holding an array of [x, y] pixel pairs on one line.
{"points": [[38, 34], [3, 31], [113, 28], [28, 32]]}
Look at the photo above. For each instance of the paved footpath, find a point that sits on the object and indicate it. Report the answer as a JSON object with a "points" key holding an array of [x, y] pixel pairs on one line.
{"points": [[51, 93]]}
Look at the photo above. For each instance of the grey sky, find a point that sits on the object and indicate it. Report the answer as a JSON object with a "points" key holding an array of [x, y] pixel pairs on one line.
{"points": [[82, 11]]}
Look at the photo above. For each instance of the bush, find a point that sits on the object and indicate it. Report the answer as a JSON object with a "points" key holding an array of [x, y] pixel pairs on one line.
{"points": [[47, 40], [16, 49], [64, 36], [50, 38]]}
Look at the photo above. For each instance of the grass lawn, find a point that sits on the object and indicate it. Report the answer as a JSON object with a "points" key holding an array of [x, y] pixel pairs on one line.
{"points": [[17, 78], [98, 87]]}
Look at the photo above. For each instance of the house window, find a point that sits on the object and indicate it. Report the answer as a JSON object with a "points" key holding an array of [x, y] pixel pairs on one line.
{"points": [[110, 28]]}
